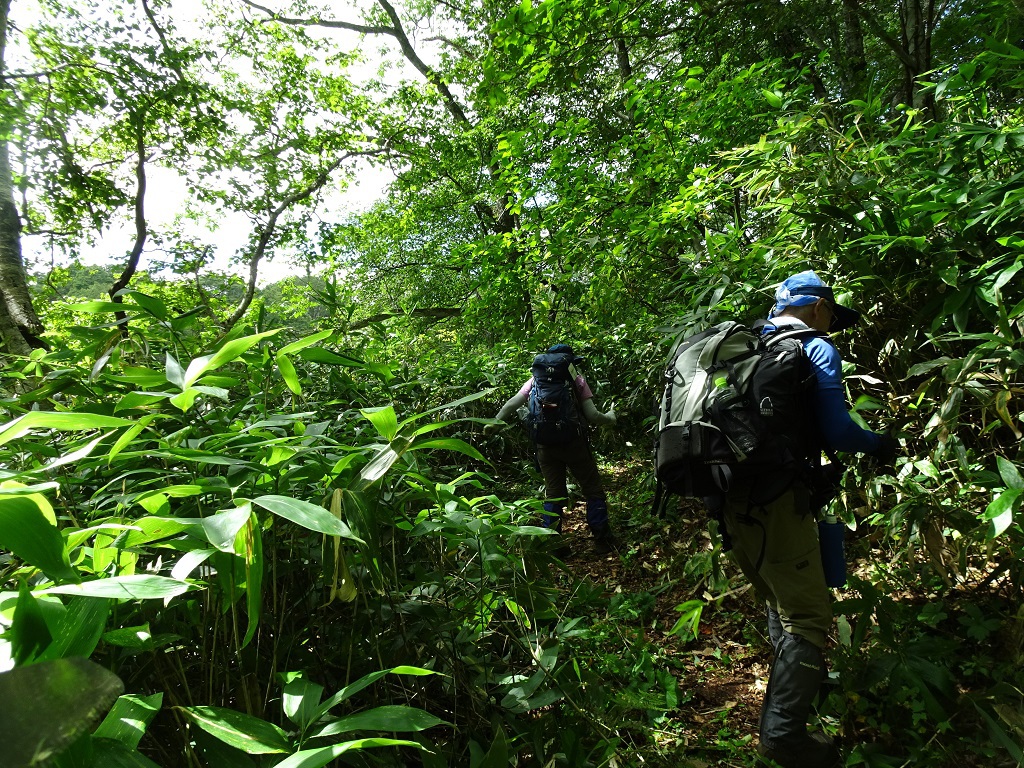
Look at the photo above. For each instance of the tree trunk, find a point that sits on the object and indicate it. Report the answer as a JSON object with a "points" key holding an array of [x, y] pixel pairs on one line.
{"points": [[19, 324], [916, 20], [855, 64]]}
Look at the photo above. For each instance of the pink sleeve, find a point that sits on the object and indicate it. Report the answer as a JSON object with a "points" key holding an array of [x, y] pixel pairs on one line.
{"points": [[525, 389], [583, 388]]}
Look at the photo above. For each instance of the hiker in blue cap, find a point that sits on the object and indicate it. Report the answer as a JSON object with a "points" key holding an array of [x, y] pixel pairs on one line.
{"points": [[561, 405], [775, 540]]}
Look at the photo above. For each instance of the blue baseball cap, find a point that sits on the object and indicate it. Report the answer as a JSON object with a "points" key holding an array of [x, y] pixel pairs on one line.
{"points": [[806, 288]]}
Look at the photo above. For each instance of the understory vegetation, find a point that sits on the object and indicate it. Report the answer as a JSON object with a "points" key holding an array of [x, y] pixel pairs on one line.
{"points": [[250, 527]]}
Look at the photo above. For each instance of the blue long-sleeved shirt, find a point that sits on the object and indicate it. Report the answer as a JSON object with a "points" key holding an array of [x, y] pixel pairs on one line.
{"points": [[839, 431]]}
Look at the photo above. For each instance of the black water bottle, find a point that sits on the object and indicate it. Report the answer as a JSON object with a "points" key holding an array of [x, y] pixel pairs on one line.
{"points": [[831, 531]]}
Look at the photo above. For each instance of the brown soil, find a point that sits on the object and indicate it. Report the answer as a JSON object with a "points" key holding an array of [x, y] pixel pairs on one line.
{"points": [[724, 675]]}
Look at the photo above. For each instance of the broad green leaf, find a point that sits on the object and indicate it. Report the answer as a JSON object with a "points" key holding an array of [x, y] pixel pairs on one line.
{"points": [[141, 400], [307, 515], [448, 444], [50, 705], [1010, 474], [70, 422], [97, 307], [79, 628], [291, 378], [150, 529], [450, 406], [129, 435], [77, 538], [497, 756], [384, 420], [28, 632], [216, 753], [318, 355], [249, 543], [317, 758], [113, 754], [138, 638], [300, 700], [342, 586], [128, 719], [138, 587], [175, 373], [302, 343], [186, 399], [228, 352], [222, 528], [28, 529], [368, 680], [218, 392], [150, 304], [189, 562], [145, 378], [1000, 512], [12, 488], [378, 466], [237, 729], [390, 718], [77, 455]]}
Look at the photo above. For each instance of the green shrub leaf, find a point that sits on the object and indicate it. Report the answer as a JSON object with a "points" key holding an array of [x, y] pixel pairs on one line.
{"points": [[317, 758], [237, 729], [138, 587], [28, 529], [307, 515], [387, 718]]}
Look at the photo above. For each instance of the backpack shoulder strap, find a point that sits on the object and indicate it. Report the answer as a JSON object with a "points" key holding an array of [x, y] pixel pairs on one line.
{"points": [[777, 335]]}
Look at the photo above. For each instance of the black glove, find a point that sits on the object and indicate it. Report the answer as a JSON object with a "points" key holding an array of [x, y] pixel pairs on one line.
{"points": [[823, 484], [888, 446]]}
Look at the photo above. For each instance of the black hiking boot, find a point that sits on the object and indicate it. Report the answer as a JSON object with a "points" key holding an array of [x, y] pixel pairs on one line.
{"points": [[817, 751], [604, 541], [560, 547]]}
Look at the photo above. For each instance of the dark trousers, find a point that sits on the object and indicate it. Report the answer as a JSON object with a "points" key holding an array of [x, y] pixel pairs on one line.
{"points": [[576, 457]]}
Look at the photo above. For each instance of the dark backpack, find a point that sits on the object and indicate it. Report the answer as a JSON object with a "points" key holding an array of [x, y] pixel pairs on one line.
{"points": [[554, 413], [737, 406]]}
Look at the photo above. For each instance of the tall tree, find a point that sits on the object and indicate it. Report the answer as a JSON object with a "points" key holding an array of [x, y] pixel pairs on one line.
{"points": [[19, 325]]}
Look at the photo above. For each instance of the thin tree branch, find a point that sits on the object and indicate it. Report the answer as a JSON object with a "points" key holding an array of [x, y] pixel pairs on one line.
{"points": [[267, 233], [435, 313], [141, 231], [433, 77], [317, 22], [163, 42]]}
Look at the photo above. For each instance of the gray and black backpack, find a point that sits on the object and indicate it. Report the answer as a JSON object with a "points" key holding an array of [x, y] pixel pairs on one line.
{"points": [[737, 405]]}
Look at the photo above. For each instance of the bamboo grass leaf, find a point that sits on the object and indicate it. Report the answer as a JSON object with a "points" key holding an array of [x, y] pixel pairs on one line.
{"points": [[134, 587], [237, 729], [317, 758], [307, 515], [28, 528], [392, 718]]}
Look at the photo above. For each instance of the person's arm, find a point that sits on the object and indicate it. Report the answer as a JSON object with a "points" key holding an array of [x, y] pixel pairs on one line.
{"points": [[514, 403], [590, 412], [841, 433], [595, 417]]}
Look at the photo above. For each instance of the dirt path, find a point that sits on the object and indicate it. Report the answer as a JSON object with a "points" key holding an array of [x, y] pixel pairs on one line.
{"points": [[722, 672]]}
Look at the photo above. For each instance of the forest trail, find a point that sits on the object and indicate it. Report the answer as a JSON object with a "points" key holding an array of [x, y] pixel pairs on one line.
{"points": [[723, 671]]}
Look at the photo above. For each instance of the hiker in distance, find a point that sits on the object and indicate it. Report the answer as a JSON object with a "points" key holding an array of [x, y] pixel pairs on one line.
{"points": [[561, 405], [774, 535]]}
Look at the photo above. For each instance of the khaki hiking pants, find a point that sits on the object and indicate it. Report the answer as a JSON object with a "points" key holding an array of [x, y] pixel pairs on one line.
{"points": [[776, 547]]}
